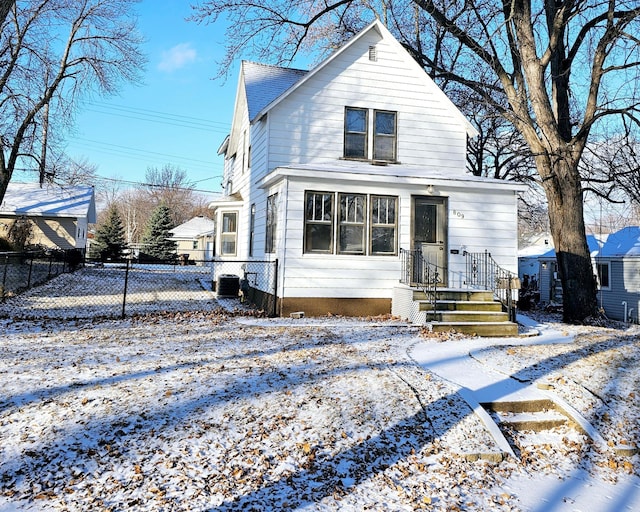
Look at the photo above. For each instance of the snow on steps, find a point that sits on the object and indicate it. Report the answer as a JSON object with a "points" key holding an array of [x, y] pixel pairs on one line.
{"points": [[473, 312]]}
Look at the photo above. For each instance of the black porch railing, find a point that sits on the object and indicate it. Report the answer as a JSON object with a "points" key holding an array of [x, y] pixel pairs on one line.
{"points": [[482, 271], [418, 272]]}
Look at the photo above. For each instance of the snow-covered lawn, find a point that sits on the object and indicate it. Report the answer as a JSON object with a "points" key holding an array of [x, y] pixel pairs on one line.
{"points": [[220, 411]]}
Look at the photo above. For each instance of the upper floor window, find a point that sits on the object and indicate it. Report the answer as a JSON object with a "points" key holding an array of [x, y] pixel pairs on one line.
{"points": [[384, 136], [357, 143], [355, 133]]}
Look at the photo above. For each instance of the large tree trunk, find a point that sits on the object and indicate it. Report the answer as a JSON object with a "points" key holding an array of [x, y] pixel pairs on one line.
{"points": [[5, 7], [575, 269]]}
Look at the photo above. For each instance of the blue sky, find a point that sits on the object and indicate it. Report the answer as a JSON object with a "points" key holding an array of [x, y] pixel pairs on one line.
{"points": [[178, 116]]}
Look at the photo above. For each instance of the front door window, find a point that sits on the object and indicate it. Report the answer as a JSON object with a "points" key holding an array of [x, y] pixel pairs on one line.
{"points": [[429, 232]]}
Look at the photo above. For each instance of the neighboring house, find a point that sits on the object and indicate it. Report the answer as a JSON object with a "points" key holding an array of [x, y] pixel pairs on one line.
{"points": [[335, 171], [618, 271], [195, 238], [529, 254], [549, 280], [60, 214]]}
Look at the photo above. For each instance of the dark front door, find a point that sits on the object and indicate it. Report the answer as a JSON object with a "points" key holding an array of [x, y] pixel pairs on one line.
{"points": [[429, 232]]}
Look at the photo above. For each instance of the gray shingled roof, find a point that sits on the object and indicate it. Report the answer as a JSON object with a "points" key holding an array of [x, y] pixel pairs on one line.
{"points": [[264, 83]]}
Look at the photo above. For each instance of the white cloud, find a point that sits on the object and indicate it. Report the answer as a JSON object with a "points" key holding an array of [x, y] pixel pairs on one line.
{"points": [[177, 57]]}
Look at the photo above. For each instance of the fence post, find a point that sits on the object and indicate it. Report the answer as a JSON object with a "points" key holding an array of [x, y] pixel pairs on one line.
{"points": [[30, 270], [275, 288], [4, 276], [126, 283]]}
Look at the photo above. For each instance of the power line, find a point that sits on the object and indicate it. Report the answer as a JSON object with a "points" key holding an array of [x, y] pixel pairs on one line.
{"points": [[155, 185], [141, 154], [161, 117], [139, 183]]}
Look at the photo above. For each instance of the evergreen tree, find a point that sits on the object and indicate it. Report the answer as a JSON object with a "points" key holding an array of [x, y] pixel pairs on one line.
{"points": [[156, 242], [109, 243]]}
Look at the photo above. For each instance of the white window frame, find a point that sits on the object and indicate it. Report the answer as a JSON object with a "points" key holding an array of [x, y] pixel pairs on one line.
{"points": [[336, 222], [228, 236], [271, 224], [371, 135]]}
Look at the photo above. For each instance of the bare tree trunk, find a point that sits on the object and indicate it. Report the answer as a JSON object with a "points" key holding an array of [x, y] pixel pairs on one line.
{"points": [[5, 7], [566, 217]]}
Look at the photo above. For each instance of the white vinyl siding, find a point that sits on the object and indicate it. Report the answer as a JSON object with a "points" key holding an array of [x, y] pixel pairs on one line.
{"points": [[428, 133], [485, 224]]}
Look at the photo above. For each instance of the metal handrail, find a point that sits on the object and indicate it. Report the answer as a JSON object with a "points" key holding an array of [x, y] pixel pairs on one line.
{"points": [[482, 271], [418, 272]]}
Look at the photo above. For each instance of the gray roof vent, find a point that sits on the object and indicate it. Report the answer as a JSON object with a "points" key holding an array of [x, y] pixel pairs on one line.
{"points": [[373, 54]]}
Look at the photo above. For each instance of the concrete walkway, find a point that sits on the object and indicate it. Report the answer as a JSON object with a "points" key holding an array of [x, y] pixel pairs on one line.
{"points": [[453, 362], [479, 383]]}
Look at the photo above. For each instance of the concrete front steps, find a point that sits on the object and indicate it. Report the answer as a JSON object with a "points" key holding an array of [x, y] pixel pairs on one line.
{"points": [[533, 425], [473, 312]]}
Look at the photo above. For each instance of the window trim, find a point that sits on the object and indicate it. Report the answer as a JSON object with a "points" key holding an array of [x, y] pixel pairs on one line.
{"points": [[600, 264], [336, 223], [373, 225], [343, 223], [228, 234], [271, 224], [316, 222], [346, 133], [377, 136]]}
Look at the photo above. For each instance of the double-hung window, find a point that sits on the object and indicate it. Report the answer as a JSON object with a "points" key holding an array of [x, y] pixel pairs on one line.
{"points": [[318, 229], [383, 225], [384, 135], [356, 121], [357, 143], [272, 219], [229, 234], [351, 227], [360, 224]]}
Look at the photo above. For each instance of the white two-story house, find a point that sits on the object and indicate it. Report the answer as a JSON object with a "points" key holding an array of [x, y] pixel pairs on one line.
{"points": [[333, 172]]}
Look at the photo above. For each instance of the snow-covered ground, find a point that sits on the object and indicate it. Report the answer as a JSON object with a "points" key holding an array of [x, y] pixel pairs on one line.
{"points": [[225, 411]]}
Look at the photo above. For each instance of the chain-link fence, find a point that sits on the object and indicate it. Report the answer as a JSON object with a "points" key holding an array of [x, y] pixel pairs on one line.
{"points": [[20, 271], [119, 289]]}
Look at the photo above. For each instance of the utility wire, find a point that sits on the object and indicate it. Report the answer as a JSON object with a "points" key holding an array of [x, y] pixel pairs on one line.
{"points": [[160, 117], [136, 150], [139, 183]]}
